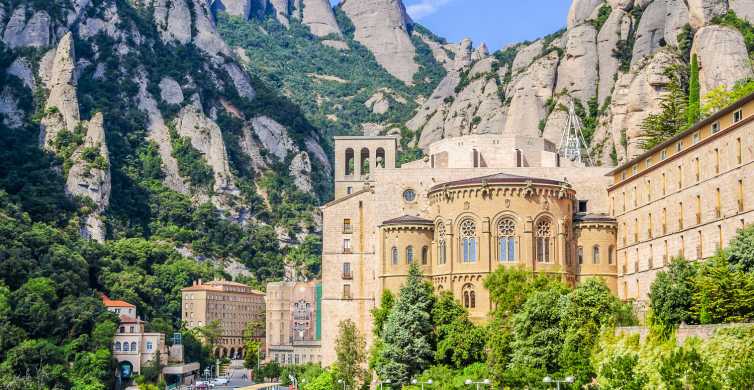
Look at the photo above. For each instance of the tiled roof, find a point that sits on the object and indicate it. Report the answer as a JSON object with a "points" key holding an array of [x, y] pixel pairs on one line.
{"points": [[497, 179], [115, 303], [408, 220], [125, 319]]}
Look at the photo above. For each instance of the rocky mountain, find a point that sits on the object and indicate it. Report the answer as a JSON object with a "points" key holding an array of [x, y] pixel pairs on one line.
{"points": [[611, 61], [143, 103]]}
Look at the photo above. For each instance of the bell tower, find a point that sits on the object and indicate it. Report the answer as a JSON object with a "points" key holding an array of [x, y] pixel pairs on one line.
{"points": [[357, 159]]}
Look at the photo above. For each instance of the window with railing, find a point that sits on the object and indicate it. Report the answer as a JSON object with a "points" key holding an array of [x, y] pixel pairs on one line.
{"points": [[347, 291], [347, 275], [346, 245], [347, 228]]}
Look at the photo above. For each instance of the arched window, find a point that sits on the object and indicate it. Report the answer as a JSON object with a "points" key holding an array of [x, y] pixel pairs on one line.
{"points": [[441, 247], [543, 235], [365, 161], [125, 347], [394, 255], [506, 230], [596, 254], [133, 346], [117, 346], [350, 163], [469, 296], [610, 254], [468, 241], [425, 255], [380, 158], [409, 254]]}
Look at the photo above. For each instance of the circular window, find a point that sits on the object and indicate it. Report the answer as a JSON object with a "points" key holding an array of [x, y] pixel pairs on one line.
{"points": [[409, 195]]}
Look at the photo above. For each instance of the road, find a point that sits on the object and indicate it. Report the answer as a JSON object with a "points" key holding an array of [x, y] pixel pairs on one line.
{"points": [[236, 380]]}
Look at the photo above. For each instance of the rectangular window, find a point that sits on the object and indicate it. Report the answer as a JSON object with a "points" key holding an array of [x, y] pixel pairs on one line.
{"points": [[149, 346], [718, 212], [680, 177], [636, 197], [698, 209], [698, 169], [346, 291], [649, 226], [679, 146], [740, 196], [665, 253], [649, 190], [648, 162], [347, 229], [663, 154], [347, 271], [650, 260], [696, 137], [346, 245], [717, 161], [680, 215], [635, 169], [469, 250], [739, 157], [664, 184], [580, 255], [596, 255], [719, 236], [715, 127], [349, 190], [507, 249], [737, 116]]}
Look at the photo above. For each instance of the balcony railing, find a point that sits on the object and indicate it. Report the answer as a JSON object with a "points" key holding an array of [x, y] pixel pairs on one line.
{"points": [[346, 250], [347, 229], [347, 275]]}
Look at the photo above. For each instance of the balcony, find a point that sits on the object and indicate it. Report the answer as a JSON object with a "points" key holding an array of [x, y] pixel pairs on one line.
{"points": [[347, 275]]}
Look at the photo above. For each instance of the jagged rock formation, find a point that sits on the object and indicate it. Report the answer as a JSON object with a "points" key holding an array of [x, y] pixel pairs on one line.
{"points": [[723, 58], [383, 27], [583, 63], [89, 177], [31, 32], [62, 107]]}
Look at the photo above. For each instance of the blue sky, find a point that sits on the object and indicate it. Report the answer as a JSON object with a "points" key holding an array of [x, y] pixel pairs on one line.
{"points": [[495, 22]]}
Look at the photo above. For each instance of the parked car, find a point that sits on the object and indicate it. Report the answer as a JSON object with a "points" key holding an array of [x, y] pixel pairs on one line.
{"points": [[220, 381], [203, 385]]}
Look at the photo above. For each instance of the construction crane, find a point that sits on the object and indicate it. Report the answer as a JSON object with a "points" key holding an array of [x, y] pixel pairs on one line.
{"points": [[572, 140]]}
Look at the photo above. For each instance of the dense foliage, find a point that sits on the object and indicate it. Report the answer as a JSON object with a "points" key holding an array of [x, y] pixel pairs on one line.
{"points": [[672, 118]]}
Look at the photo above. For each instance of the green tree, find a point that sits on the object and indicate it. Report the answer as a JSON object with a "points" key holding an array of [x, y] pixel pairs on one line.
{"points": [[324, 381], [672, 117], [694, 108], [381, 313], [252, 346], [350, 352], [685, 368], [620, 373], [459, 342], [32, 306], [724, 95], [740, 250], [722, 294], [408, 335], [670, 295], [209, 333]]}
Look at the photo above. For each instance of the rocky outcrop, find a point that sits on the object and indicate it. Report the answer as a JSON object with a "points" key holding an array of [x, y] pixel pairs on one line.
{"points": [[743, 9], [11, 115], [382, 26], [89, 177], [581, 11], [529, 92], [34, 32], [157, 132], [636, 95], [577, 73], [380, 102], [62, 107], [282, 11], [463, 55], [616, 28], [22, 69], [240, 8], [701, 12], [526, 55], [301, 170], [442, 53], [723, 58], [273, 136], [319, 16], [206, 137], [170, 91], [240, 80], [173, 19], [660, 24]]}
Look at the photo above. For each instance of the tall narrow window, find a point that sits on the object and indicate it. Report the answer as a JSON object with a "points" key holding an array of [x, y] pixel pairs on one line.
{"points": [[665, 253], [718, 211], [649, 190], [737, 116], [664, 184], [650, 233], [636, 197], [350, 162], [698, 165], [347, 271], [680, 215], [596, 254], [698, 209], [680, 177], [717, 161], [409, 254], [506, 230], [740, 196], [347, 228], [394, 255], [346, 245], [699, 246], [610, 254], [664, 221], [682, 249], [469, 296], [719, 236], [425, 255], [441, 247], [739, 157], [580, 255], [636, 229], [543, 237], [468, 240]]}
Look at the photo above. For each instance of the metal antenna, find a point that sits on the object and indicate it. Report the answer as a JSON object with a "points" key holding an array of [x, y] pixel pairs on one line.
{"points": [[572, 139]]}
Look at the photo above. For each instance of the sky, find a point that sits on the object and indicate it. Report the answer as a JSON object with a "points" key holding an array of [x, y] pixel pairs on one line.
{"points": [[494, 22]]}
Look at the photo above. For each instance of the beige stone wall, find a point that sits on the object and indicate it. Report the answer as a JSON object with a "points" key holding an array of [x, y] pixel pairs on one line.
{"points": [[603, 262], [355, 180], [281, 299], [689, 204]]}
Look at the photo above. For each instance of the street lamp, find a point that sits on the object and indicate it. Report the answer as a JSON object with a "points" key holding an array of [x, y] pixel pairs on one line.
{"points": [[383, 382], [568, 379], [415, 382], [344, 383], [485, 382]]}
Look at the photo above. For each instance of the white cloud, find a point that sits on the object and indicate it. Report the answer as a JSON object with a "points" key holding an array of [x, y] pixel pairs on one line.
{"points": [[425, 7]]}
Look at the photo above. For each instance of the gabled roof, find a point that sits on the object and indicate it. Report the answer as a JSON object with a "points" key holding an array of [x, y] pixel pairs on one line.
{"points": [[125, 319], [114, 302], [408, 220], [498, 178]]}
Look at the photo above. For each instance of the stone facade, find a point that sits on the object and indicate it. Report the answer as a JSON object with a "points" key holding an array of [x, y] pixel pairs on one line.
{"points": [[293, 322], [233, 304], [686, 197], [493, 200]]}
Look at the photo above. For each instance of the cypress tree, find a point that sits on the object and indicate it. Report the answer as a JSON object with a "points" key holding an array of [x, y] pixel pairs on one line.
{"points": [[693, 110], [408, 333]]}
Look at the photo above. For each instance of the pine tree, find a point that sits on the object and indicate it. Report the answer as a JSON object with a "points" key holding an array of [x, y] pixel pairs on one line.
{"points": [[408, 334], [672, 117], [694, 104]]}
